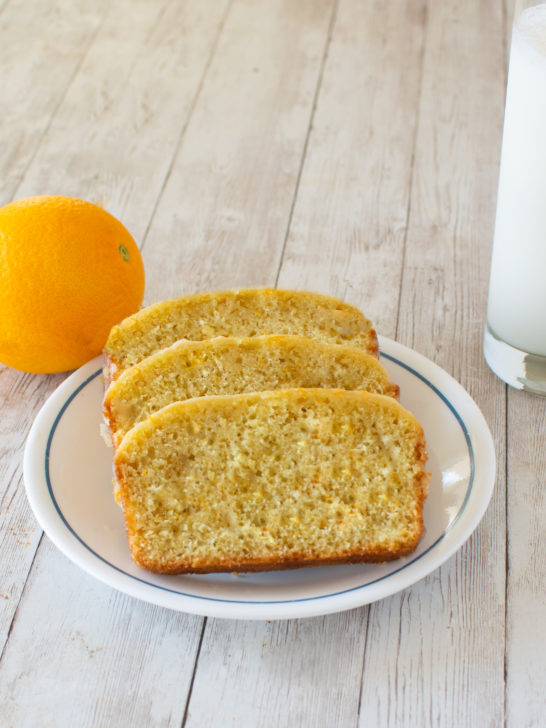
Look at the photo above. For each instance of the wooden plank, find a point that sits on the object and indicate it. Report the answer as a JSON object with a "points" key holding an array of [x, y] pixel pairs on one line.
{"points": [[526, 566], [162, 52], [526, 579], [86, 655], [222, 218], [349, 224], [433, 655], [36, 68], [19, 532], [308, 672], [508, 10], [306, 33], [279, 674], [117, 132], [444, 664]]}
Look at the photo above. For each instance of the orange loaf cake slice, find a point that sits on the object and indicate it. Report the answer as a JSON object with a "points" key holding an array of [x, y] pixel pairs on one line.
{"points": [[272, 480], [233, 366], [239, 313]]}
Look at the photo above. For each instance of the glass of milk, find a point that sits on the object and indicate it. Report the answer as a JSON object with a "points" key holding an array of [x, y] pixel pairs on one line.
{"points": [[515, 335]]}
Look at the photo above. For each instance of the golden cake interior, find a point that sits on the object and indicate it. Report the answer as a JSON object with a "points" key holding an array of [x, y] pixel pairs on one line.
{"points": [[242, 313], [271, 480], [234, 366]]}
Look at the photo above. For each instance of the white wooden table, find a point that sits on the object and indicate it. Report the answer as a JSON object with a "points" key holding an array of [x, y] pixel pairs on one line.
{"points": [[345, 146]]}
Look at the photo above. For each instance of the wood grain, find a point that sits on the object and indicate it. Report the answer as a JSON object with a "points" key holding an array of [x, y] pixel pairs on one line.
{"points": [[19, 532], [98, 658], [349, 223], [222, 217], [125, 111], [278, 674], [36, 70], [442, 313], [526, 567], [162, 47], [526, 579], [348, 147], [334, 191]]}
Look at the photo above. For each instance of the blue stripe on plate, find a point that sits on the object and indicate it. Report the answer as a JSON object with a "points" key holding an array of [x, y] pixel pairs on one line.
{"points": [[278, 601]]}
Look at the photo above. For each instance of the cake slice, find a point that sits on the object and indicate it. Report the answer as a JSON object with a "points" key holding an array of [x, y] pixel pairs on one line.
{"points": [[233, 366], [272, 480], [240, 313]]}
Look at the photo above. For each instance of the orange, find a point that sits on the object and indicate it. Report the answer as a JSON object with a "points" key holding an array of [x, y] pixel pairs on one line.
{"points": [[69, 271]]}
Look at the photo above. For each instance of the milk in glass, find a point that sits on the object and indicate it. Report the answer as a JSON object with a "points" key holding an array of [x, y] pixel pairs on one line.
{"points": [[517, 295]]}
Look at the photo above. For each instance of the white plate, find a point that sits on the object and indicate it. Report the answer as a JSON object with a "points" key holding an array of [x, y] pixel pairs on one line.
{"points": [[68, 481]]}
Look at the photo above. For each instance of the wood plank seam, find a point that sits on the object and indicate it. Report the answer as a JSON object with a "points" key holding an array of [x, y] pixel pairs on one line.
{"points": [[504, 38], [60, 101], [412, 167], [190, 688], [329, 35], [16, 610], [187, 121], [363, 667], [506, 556], [505, 53]]}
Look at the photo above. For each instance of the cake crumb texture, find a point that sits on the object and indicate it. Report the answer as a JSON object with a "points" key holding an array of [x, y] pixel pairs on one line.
{"points": [[239, 313], [234, 366], [272, 480]]}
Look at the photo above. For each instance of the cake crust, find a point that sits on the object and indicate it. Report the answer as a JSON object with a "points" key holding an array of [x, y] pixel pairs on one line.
{"points": [[311, 477], [240, 313], [231, 365]]}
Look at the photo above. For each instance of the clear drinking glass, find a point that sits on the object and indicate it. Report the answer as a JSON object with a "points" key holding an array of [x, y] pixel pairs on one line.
{"points": [[515, 334]]}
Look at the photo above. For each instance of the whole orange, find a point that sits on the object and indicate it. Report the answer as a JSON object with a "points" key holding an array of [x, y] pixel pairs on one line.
{"points": [[69, 271]]}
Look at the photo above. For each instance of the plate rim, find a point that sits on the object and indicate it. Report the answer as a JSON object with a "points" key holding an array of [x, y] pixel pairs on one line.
{"points": [[51, 518]]}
